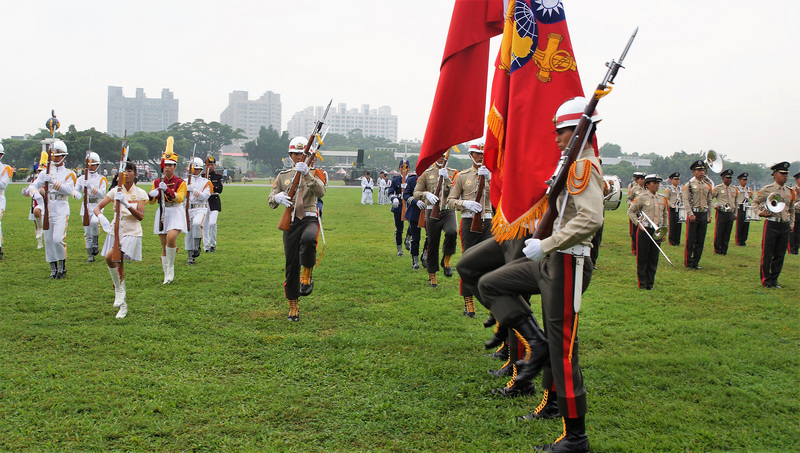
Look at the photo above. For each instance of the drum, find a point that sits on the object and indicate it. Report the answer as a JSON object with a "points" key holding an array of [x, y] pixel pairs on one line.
{"points": [[613, 198], [681, 214], [750, 214]]}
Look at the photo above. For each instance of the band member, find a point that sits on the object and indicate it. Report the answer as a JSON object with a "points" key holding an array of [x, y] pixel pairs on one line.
{"points": [[673, 194], [37, 202], [463, 196], [655, 206], [745, 197], [300, 242], [6, 174], [214, 206], [95, 185], [778, 226], [549, 268], [424, 191], [170, 190], [132, 202], [725, 196], [696, 197], [367, 184], [395, 194], [634, 190], [414, 209], [794, 238], [197, 194], [62, 183]]}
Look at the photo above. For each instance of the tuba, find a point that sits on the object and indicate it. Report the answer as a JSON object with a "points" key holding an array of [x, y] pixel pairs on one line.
{"points": [[713, 160]]}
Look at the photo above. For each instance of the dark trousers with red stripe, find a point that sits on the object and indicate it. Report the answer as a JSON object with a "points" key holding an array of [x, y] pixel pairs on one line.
{"points": [[398, 227], [502, 291], [674, 227], [774, 244], [695, 239], [722, 232], [484, 257], [646, 259], [433, 228], [742, 227], [470, 239], [632, 232], [596, 241], [794, 237], [300, 248]]}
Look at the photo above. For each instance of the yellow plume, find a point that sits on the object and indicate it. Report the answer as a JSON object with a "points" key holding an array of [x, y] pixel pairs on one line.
{"points": [[170, 143], [43, 158]]}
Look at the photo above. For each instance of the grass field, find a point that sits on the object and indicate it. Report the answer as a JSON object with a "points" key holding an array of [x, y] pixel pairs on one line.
{"points": [[708, 361]]}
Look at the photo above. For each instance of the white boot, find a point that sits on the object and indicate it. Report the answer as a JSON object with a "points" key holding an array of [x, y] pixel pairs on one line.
{"points": [[169, 273], [119, 287], [164, 261], [39, 233], [123, 310]]}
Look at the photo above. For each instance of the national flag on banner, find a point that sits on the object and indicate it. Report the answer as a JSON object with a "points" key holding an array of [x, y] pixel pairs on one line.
{"points": [[458, 111], [535, 73]]}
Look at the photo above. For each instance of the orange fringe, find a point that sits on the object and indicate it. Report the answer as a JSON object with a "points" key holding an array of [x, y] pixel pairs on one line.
{"points": [[503, 230], [497, 127]]}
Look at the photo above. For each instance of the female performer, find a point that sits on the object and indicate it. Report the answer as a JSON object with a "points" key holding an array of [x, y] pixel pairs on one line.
{"points": [[170, 190]]}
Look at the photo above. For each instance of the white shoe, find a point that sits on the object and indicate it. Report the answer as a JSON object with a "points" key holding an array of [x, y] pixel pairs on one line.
{"points": [[123, 310], [119, 286], [165, 266], [169, 274]]}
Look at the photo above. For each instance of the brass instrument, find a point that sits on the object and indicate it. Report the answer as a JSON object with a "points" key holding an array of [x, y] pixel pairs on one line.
{"points": [[658, 235], [775, 203], [713, 160]]}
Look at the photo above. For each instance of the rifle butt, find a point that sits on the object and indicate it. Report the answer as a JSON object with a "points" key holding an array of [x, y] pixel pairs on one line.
{"points": [[477, 223], [435, 211], [286, 220], [421, 223]]}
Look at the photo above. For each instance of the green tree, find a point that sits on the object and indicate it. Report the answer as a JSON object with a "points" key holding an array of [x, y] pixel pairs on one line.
{"points": [[610, 150], [209, 137], [268, 149]]}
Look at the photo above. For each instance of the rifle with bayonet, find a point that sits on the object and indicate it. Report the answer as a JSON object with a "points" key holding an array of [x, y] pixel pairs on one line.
{"points": [[477, 219], [440, 189], [577, 142], [403, 173], [310, 154], [86, 215], [116, 250], [188, 183], [52, 125]]}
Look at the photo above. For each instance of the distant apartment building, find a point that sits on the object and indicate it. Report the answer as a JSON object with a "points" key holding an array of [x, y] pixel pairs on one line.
{"points": [[250, 116], [140, 113], [376, 122]]}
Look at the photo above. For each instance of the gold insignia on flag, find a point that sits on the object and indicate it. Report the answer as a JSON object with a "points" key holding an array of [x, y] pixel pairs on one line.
{"points": [[551, 59]]}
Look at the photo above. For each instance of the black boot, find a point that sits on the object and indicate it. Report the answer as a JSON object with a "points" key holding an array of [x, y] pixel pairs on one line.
{"points": [[90, 259], [537, 352], [515, 388], [547, 409], [500, 335], [415, 262], [53, 269], [501, 353], [574, 439], [490, 321], [505, 370], [95, 245], [196, 251], [61, 269], [190, 255]]}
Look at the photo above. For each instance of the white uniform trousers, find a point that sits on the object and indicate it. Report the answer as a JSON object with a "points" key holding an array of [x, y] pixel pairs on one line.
{"points": [[196, 216], [210, 230], [55, 247], [93, 228]]}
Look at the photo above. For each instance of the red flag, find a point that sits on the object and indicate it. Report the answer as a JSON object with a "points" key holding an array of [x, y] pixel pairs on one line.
{"points": [[458, 108], [535, 74]]}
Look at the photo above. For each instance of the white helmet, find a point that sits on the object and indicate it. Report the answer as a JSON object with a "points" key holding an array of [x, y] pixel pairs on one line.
{"points": [[297, 145], [476, 146], [197, 163], [59, 148], [2, 150], [94, 159], [570, 113]]}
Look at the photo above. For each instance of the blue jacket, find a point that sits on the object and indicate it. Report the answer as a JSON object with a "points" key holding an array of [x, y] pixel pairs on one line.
{"points": [[412, 211]]}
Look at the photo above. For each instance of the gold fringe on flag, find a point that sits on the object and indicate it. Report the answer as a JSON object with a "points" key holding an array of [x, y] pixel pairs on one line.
{"points": [[497, 126], [503, 230]]}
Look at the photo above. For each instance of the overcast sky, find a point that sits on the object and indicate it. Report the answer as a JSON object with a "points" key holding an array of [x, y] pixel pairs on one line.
{"points": [[711, 74]]}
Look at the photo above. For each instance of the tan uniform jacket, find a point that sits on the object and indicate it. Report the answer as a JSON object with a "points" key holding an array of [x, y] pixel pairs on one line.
{"points": [[654, 205], [745, 194], [696, 195], [787, 195], [427, 182], [725, 195], [583, 213], [313, 188], [673, 194], [464, 188]]}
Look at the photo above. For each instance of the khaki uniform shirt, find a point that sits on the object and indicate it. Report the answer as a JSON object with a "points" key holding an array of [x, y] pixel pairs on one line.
{"points": [[696, 195], [673, 194], [745, 194], [464, 188], [583, 213], [634, 190], [313, 188], [654, 205], [787, 196], [725, 195], [428, 181]]}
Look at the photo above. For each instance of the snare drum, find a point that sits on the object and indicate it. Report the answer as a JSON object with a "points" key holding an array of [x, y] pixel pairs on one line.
{"points": [[681, 214], [612, 201], [750, 214]]}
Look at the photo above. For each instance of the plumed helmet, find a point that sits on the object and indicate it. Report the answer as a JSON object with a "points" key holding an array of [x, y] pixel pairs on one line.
{"points": [[94, 159], [476, 146], [169, 155], [197, 163], [571, 111], [297, 145], [210, 160], [59, 148]]}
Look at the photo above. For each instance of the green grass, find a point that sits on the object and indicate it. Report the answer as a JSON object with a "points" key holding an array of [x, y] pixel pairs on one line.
{"points": [[708, 361]]}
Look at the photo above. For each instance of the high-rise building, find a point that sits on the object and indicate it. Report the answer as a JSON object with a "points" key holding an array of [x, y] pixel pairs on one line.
{"points": [[249, 116], [376, 122], [140, 113]]}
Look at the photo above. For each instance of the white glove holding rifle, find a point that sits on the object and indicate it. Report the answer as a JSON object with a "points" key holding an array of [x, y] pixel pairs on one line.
{"points": [[283, 199], [472, 206], [533, 249], [483, 171], [432, 199], [122, 200]]}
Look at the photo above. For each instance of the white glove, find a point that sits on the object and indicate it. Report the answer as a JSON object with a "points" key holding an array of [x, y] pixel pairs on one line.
{"points": [[122, 200], [283, 199], [38, 197], [472, 206], [190, 188], [196, 194], [421, 204], [162, 186], [153, 193], [395, 202], [105, 224], [483, 171], [76, 195], [301, 167], [432, 199], [403, 186], [49, 178], [25, 192], [443, 172], [533, 249]]}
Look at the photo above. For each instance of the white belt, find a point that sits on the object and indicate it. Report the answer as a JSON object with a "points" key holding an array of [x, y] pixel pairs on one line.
{"points": [[198, 205], [578, 250], [310, 213], [471, 215], [776, 220], [94, 200], [54, 196], [169, 204]]}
